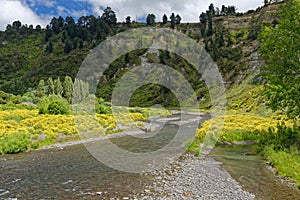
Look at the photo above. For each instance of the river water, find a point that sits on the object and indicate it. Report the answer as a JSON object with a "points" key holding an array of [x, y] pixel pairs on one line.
{"points": [[252, 173], [70, 173], [73, 173]]}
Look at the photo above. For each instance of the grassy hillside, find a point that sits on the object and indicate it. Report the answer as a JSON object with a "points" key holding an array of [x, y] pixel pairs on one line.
{"points": [[29, 55]]}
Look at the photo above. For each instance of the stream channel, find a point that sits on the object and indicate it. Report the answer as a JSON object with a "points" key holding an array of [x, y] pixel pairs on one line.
{"points": [[72, 172]]}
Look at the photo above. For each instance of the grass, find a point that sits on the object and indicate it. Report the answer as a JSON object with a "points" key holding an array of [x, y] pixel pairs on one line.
{"points": [[193, 146], [286, 163], [16, 107], [279, 145], [15, 143], [238, 136]]}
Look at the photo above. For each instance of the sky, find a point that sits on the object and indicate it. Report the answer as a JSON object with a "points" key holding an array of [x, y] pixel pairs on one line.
{"points": [[42, 11]]}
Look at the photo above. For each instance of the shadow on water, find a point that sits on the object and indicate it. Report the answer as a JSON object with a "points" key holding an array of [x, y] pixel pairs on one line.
{"points": [[252, 173]]}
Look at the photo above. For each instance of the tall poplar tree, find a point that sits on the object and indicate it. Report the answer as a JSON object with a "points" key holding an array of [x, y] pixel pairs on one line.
{"points": [[68, 88], [50, 86]]}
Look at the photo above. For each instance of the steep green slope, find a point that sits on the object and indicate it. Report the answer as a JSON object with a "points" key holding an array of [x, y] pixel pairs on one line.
{"points": [[31, 55]]}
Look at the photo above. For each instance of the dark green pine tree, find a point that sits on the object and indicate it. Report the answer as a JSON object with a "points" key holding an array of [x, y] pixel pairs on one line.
{"points": [[164, 19], [173, 20], [203, 23], [109, 16], [177, 19], [210, 24], [68, 47], [150, 19], [128, 20]]}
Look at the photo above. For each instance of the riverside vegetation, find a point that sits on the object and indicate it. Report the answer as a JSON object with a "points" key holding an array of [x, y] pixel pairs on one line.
{"points": [[257, 53], [24, 127], [276, 131]]}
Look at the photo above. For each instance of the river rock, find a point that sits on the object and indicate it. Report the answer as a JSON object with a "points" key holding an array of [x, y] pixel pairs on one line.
{"points": [[194, 178]]}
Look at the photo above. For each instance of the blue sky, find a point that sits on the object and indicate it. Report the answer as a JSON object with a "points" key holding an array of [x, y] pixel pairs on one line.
{"points": [[60, 7], [41, 11]]}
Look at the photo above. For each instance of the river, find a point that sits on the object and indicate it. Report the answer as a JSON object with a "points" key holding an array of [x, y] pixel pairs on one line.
{"points": [[252, 173], [73, 173]]}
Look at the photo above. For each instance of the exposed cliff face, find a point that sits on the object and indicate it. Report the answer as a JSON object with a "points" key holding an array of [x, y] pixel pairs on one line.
{"points": [[238, 59]]}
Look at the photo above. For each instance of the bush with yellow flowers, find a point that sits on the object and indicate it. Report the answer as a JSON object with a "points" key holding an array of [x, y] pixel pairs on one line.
{"points": [[239, 126], [51, 127], [17, 115], [138, 117]]}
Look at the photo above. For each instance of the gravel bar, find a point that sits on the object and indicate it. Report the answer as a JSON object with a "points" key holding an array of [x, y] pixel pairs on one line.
{"points": [[193, 177]]}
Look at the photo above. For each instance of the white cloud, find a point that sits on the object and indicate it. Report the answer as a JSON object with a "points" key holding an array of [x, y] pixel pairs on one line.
{"points": [[12, 10], [47, 3], [189, 10], [63, 11]]}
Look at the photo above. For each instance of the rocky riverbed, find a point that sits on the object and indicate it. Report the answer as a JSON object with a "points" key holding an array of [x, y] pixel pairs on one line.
{"points": [[193, 177]]}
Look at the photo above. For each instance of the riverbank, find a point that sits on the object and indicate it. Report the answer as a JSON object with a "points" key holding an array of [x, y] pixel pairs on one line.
{"points": [[193, 177], [153, 124], [25, 129], [73, 172], [187, 177], [253, 173], [277, 139]]}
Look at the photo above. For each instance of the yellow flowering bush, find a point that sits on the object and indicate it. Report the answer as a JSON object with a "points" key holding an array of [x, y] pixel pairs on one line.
{"points": [[105, 119], [17, 114], [154, 112], [239, 123], [138, 117], [8, 127], [52, 126], [123, 118]]}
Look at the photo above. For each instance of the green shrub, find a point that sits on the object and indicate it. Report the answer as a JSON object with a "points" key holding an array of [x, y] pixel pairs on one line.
{"points": [[15, 99], [34, 145], [31, 97], [6, 98], [14, 143], [54, 105], [3, 97], [56, 108], [283, 138], [103, 107], [17, 106], [254, 31], [43, 106]]}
